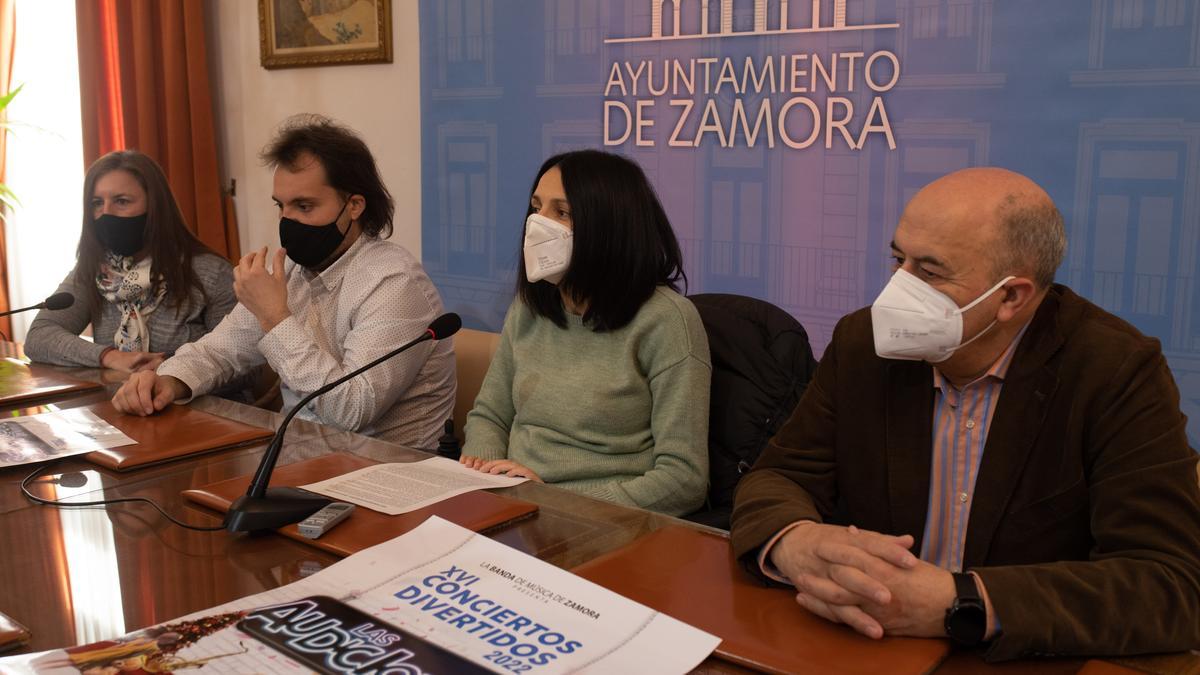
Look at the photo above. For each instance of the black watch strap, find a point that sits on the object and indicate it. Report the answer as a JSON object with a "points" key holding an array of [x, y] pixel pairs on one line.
{"points": [[966, 620], [965, 587]]}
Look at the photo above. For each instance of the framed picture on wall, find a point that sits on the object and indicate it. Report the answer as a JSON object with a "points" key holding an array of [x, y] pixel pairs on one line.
{"points": [[297, 33]]}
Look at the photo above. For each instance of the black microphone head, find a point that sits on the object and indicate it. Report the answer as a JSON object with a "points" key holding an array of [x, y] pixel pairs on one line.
{"points": [[72, 479], [59, 301], [445, 325]]}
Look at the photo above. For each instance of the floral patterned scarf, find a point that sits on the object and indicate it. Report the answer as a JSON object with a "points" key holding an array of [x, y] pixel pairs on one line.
{"points": [[126, 284]]}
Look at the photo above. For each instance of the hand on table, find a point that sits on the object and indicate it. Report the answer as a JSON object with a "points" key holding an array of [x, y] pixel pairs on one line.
{"points": [[919, 598], [263, 292], [499, 466], [146, 392], [131, 362], [841, 571], [110, 376]]}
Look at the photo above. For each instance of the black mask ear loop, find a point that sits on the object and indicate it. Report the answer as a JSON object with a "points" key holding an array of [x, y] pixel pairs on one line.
{"points": [[339, 217]]}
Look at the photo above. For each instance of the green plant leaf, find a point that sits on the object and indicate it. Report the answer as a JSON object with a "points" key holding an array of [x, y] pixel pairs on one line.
{"points": [[7, 98], [13, 127], [8, 197]]}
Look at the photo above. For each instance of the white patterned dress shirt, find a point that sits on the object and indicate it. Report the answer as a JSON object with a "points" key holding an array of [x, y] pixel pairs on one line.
{"points": [[373, 299]]}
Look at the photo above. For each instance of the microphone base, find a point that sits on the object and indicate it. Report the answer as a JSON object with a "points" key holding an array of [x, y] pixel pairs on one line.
{"points": [[280, 506]]}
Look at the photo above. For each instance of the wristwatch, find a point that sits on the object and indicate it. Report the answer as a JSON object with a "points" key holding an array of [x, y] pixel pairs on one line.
{"points": [[966, 620]]}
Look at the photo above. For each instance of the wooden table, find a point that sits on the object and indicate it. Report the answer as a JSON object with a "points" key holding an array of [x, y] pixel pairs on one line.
{"points": [[80, 575]]}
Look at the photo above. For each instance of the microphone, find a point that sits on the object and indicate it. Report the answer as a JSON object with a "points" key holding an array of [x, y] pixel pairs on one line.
{"points": [[444, 326], [263, 508], [59, 301], [71, 479], [56, 301]]}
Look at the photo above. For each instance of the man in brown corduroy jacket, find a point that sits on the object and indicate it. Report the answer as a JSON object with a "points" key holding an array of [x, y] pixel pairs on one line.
{"points": [[983, 453]]}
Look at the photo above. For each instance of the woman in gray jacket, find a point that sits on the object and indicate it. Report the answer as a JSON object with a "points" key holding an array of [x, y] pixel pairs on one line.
{"points": [[141, 279]]}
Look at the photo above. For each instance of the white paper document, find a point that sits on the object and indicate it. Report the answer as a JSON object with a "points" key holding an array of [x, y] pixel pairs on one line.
{"points": [[37, 438], [441, 588], [399, 488]]}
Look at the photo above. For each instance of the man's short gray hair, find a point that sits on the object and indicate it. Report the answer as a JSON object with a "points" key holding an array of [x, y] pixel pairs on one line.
{"points": [[1032, 239]]}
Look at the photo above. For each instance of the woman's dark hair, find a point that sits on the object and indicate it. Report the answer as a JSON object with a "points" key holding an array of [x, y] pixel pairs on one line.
{"points": [[349, 166], [623, 247], [168, 241]]}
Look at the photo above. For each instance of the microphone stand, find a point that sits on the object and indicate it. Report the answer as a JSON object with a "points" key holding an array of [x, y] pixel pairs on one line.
{"points": [[263, 508], [10, 312], [56, 301], [40, 305]]}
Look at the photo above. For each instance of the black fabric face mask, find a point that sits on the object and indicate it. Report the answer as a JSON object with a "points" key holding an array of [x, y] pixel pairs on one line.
{"points": [[310, 245], [123, 235]]}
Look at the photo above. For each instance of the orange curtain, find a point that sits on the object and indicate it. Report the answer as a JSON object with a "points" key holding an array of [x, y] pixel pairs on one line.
{"points": [[143, 80], [8, 31]]}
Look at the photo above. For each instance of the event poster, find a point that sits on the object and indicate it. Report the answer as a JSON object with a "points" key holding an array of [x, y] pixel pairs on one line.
{"points": [[437, 599]]}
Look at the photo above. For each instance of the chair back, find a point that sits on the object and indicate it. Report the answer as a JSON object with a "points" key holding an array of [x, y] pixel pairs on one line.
{"points": [[762, 363], [473, 350]]}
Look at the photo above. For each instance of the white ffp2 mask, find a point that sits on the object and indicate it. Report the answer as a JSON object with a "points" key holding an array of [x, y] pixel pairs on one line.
{"points": [[547, 248], [913, 321]]}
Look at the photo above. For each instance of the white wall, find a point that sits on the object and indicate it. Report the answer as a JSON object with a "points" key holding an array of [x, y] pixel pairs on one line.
{"points": [[381, 102]]}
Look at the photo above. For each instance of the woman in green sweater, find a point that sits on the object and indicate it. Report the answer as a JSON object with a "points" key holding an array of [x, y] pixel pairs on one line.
{"points": [[600, 382]]}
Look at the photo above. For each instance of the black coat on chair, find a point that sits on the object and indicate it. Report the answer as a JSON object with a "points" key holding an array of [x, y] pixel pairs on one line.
{"points": [[761, 364]]}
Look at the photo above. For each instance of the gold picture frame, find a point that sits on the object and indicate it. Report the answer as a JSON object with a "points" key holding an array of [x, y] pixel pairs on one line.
{"points": [[303, 33]]}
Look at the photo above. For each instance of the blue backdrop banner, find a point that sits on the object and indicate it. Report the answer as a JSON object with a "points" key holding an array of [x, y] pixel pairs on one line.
{"points": [[784, 138]]}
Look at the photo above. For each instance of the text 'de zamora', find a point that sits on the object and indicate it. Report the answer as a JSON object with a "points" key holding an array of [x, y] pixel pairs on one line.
{"points": [[794, 100]]}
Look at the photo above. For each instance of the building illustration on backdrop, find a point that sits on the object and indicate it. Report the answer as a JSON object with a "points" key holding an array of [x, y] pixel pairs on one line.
{"points": [[1118, 148], [667, 25]]}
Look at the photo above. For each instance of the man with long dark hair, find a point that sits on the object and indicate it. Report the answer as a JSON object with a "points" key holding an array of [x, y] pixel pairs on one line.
{"points": [[346, 297]]}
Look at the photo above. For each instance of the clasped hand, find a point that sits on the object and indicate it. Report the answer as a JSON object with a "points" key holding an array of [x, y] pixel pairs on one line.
{"points": [[867, 580], [262, 291], [131, 362], [147, 392]]}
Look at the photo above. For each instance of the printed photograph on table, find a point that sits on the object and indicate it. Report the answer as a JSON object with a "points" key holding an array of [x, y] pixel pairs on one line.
{"points": [[298, 33], [54, 434]]}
